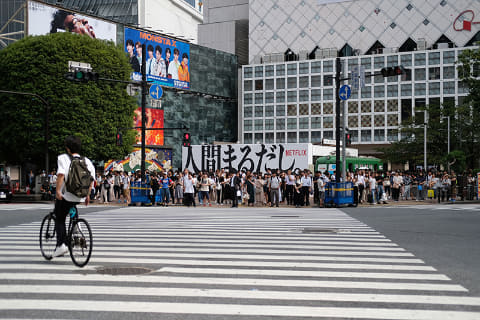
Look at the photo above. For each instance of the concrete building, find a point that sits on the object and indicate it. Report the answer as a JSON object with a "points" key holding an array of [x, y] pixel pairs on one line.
{"points": [[287, 89], [176, 18], [225, 27]]}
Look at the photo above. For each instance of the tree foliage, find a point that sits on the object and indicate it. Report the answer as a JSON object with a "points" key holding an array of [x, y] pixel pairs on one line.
{"points": [[92, 110], [464, 126]]}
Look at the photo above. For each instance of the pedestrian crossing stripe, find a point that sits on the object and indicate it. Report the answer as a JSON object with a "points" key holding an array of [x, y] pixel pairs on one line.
{"points": [[232, 309], [243, 294], [213, 264]]}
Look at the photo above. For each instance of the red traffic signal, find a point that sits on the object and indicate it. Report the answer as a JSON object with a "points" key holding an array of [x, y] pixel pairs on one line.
{"points": [[119, 138], [393, 71], [186, 139], [348, 139]]}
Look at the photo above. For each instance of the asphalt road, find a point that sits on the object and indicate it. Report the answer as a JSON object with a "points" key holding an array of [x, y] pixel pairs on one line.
{"points": [[446, 237], [257, 263], [14, 213]]}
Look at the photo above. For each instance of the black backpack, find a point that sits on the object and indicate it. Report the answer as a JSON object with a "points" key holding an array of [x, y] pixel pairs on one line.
{"points": [[79, 177]]}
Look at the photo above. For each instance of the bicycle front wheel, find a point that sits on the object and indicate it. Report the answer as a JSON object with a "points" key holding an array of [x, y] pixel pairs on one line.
{"points": [[80, 242], [48, 237]]}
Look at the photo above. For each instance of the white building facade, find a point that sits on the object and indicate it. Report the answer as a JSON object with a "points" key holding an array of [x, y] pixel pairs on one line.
{"points": [[177, 18], [294, 101]]}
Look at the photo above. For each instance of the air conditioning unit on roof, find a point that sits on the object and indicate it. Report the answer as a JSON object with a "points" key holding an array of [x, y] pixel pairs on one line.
{"points": [[267, 58], [278, 57], [422, 44], [303, 55]]}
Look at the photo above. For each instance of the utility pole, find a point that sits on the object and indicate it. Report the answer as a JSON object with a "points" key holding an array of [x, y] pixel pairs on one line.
{"points": [[337, 119], [344, 142], [425, 141], [144, 103]]}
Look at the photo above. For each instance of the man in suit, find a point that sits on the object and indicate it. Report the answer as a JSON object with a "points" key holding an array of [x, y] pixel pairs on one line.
{"points": [[235, 183]]}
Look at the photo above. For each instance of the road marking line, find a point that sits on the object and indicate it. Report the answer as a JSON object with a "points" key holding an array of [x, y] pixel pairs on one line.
{"points": [[105, 251], [223, 245], [255, 283], [108, 258], [231, 309], [255, 272], [221, 250], [244, 294]]}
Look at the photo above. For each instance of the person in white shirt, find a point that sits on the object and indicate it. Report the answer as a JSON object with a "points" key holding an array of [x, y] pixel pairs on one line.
{"points": [[64, 199], [188, 190], [306, 181], [174, 65], [372, 183], [289, 189], [361, 187], [274, 188], [321, 189]]}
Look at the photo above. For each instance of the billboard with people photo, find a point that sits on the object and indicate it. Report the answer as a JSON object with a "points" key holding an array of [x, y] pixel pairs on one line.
{"points": [[44, 19], [167, 60], [154, 121]]}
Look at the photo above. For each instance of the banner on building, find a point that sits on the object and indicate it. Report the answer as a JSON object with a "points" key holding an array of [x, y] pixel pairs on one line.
{"points": [[156, 159], [44, 19], [168, 60], [155, 121], [248, 157]]}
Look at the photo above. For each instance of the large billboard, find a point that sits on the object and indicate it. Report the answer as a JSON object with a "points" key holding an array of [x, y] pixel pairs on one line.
{"points": [[44, 19], [248, 157], [167, 59], [154, 121]]}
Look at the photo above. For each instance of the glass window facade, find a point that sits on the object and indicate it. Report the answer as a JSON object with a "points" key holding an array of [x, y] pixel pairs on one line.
{"points": [[304, 95]]}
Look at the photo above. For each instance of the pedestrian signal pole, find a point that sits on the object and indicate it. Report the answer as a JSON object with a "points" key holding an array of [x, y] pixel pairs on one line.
{"points": [[144, 103], [337, 118]]}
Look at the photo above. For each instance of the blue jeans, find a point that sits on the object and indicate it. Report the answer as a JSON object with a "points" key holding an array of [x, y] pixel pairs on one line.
{"points": [[374, 195], [165, 195], [379, 192]]}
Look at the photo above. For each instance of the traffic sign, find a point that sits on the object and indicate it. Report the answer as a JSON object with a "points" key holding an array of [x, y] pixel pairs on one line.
{"points": [[358, 77], [156, 91], [345, 92]]}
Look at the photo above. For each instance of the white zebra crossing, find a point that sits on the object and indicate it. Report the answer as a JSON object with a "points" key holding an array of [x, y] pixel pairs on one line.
{"points": [[228, 263]]}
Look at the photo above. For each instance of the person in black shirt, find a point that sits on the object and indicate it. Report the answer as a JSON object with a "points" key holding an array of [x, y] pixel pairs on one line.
{"points": [[131, 54]]}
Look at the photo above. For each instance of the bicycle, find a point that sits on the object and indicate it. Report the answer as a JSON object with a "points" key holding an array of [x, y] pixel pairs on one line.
{"points": [[79, 238]]}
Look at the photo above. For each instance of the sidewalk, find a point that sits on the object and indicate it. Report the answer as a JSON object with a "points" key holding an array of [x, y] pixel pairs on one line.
{"points": [[36, 198]]}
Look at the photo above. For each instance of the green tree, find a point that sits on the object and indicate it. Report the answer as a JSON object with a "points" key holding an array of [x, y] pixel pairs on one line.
{"points": [[469, 109], [464, 126], [92, 110]]}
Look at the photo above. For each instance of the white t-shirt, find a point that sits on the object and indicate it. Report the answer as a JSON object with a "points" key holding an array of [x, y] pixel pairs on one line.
{"points": [[188, 185], [361, 180], [63, 163]]}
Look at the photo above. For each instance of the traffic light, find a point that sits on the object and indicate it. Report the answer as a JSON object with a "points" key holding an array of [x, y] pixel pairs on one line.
{"points": [[348, 139], [119, 139], [81, 75], [186, 139], [393, 71]]}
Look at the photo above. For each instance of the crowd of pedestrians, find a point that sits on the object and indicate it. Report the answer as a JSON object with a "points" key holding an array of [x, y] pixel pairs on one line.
{"points": [[378, 187], [275, 187]]}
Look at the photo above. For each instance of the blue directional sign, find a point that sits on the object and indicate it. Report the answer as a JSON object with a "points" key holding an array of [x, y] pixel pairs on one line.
{"points": [[345, 92], [156, 91]]}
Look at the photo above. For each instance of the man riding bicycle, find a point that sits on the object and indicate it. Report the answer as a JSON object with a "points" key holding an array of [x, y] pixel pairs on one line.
{"points": [[64, 199]]}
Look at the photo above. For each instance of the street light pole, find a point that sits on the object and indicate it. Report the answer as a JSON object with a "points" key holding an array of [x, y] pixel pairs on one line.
{"points": [[448, 139]]}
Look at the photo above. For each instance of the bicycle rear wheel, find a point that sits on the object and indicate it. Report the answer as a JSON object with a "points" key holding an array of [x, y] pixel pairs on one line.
{"points": [[80, 242], [48, 237]]}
